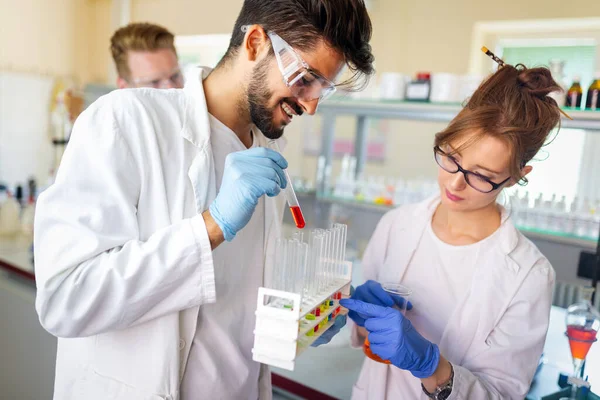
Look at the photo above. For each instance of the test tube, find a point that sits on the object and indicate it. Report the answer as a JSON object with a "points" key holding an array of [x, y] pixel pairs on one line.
{"points": [[312, 240], [277, 266], [342, 249], [327, 258], [338, 250], [292, 264], [320, 262], [316, 272], [285, 265], [290, 194], [302, 261], [331, 258], [344, 239]]}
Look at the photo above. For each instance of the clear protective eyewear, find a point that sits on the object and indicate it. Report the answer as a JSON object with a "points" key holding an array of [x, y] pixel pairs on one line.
{"points": [[304, 83], [174, 79]]}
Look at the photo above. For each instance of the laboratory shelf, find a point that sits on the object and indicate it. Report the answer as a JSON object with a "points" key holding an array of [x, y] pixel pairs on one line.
{"points": [[380, 209], [421, 111], [559, 237], [434, 112], [365, 109]]}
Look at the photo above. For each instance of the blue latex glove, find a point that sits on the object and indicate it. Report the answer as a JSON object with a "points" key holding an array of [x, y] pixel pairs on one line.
{"points": [[340, 322], [248, 175], [372, 292], [392, 337]]}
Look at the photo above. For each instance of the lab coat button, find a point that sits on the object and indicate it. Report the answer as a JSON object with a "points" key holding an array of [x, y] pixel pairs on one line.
{"points": [[181, 344]]}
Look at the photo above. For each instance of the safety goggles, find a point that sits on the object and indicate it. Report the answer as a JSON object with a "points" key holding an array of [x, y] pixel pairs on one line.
{"points": [[304, 83], [173, 79]]}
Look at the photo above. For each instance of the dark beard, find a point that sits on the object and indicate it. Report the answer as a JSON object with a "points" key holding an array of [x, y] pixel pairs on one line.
{"points": [[258, 95]]}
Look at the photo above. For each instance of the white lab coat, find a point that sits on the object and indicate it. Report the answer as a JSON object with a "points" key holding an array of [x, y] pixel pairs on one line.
{"points": [[496, 334], [123, 259]]}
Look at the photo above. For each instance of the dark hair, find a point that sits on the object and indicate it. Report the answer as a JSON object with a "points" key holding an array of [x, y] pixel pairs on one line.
{"points": [[512, 104], [138, 37], [343, 24]]}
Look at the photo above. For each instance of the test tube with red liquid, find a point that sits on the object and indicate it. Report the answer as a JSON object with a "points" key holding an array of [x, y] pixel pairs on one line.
{"points": [[290, 194]]}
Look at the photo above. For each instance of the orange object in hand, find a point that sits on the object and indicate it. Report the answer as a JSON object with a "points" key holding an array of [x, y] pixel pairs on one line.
{"points": [[371, 355]]}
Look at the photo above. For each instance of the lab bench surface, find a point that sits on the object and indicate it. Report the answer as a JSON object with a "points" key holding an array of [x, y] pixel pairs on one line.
{"points": [[313, 375], [16, 256]]}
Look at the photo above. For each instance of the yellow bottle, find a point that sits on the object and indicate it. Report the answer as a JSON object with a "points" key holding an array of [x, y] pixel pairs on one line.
{"points": [[575, 93], [593, 94]]}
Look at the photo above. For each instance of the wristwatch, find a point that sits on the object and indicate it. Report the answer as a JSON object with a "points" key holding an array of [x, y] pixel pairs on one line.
{"points": [[441, 392]]}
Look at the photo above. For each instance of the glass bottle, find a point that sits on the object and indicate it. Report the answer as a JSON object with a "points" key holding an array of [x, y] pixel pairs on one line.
{"points": [[593, 95], [575, 93], [557, 69]]}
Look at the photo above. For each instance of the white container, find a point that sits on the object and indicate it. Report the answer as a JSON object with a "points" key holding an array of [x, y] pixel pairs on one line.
{"points": [[468, 85], [27, 219], [445, 88], [392, 86]]}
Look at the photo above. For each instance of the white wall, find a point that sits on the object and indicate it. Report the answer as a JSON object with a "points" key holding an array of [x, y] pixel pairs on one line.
{"points": [[25, 147]]}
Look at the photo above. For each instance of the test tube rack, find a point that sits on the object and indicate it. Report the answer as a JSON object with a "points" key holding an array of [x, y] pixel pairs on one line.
{"points": [[288, 323]]}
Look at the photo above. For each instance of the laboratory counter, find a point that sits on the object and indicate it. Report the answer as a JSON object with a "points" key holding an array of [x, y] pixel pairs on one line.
{"points": [[327, 372]]}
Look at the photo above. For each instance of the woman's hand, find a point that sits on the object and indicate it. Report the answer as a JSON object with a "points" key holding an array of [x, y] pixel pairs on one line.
{"points": [[372, 292], [392, 337]]}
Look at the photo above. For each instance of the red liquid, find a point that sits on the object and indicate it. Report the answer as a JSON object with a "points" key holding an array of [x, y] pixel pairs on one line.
{"points": [[371, 355], [580, 340], [298, 217]]}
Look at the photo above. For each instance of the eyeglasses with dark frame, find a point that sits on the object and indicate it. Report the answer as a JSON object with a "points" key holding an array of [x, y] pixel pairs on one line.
{"points": [[473, 179]]}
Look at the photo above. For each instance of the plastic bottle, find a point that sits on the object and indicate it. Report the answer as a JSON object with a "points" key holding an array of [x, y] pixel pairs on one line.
{"points": [[582, 218], [19, 195], [548, 216], [379, 190], [516, 212], [560, 210], [27, 218], [352, 189], [526, 216], [399, 193], [320, 178], [537, 212], [593, 221], [340, 187], [390, 189], [10, 224], [361, 188], [571, 219]]}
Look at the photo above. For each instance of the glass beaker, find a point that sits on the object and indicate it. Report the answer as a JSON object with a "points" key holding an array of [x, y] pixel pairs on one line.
{"points": [[400, 293]]}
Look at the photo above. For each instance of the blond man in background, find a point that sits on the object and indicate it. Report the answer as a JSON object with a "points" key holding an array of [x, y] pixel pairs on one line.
{"points": [[145, 56]]}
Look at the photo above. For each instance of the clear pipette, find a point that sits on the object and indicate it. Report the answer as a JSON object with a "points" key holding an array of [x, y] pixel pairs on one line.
{"points": [[290, 194]]}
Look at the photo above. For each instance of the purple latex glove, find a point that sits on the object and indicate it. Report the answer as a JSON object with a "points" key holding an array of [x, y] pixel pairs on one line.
{"points": [[392, 337]]}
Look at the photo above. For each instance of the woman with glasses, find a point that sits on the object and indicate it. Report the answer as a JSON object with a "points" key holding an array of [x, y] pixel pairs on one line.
{"points": [[481, 291]]}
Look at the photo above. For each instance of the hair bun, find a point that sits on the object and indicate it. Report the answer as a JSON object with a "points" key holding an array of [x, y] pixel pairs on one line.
{"points": [[537, 81]]}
